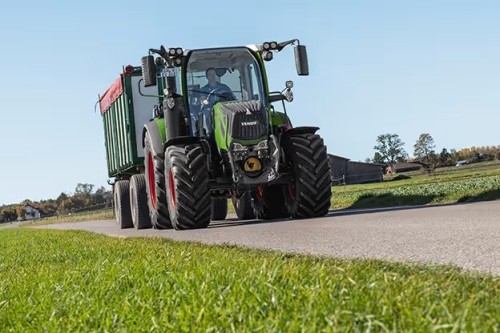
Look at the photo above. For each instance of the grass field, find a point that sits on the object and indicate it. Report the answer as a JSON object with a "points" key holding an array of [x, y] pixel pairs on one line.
{"points": [[104, 214], [476, 182], [77, 281]]}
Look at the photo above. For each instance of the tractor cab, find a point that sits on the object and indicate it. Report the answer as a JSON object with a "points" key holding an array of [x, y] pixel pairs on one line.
{"points": [[215, 76]]}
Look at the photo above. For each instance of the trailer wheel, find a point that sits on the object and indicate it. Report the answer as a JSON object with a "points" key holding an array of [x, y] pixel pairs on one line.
{"points": [[309, 193], [155, 188], [269, 202], [186, 171], [218, 208], [139, 202], [122, 204], [243, 206]]}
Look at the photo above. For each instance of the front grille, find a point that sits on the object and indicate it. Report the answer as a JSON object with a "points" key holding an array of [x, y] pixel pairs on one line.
{"points": [[247, 120]]}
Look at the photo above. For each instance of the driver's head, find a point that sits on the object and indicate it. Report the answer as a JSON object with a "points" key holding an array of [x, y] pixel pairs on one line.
{"points": [[211, 76]]}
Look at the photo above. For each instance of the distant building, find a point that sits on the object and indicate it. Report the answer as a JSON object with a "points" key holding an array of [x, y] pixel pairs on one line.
{"points": [[31, 213], [345, 171], [403, 167]]}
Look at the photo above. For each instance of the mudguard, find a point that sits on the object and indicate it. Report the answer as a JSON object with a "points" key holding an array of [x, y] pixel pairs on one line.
{"points": [[301, 130], [153, 131], [183, 140]]}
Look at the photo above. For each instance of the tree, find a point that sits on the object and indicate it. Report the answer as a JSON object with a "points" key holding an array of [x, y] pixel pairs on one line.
{"points": [[445, 157], [63, 196], [377, 158], [21, 211], [424, 148], [8, 214], [390, 148], [84, 188]]}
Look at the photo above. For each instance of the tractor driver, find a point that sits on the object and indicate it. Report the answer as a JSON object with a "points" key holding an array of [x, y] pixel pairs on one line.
{"points": [[214, 91]]}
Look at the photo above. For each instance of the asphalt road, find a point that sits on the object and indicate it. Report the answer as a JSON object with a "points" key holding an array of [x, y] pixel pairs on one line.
{"points": [[465, 235]]}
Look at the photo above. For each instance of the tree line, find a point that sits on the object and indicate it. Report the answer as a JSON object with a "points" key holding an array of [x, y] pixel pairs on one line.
{"points": [[390, 149], [85, 198]]}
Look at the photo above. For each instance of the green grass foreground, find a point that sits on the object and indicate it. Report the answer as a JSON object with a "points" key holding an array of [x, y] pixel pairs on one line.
{"points": [[78, 281]]}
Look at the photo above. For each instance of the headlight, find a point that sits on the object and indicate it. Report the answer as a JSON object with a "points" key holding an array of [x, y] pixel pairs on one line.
{"points": [[238, 147], [261, 145]]}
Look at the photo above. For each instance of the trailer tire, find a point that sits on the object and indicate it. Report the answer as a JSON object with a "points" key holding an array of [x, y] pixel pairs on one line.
{"points": [[155, 187], [309, 193], [139, 202], [269, 202], [189, 200], [243, 206], [121, 198], [218, 208]]}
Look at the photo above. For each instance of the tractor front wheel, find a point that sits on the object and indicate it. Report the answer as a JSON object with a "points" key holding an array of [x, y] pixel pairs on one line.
{"points": [[309, 193], [186, 174]]}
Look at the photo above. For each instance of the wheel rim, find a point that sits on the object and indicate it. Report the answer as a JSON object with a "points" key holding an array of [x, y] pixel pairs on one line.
{"points": [[291, 192], [116, 208], [151, 181], [260, 192], [133, 203], [172, 188]]}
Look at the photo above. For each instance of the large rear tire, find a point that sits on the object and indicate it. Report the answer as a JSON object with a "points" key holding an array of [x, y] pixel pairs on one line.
{"points": [[155, 187], [310, 191], [186, 172], [243, 206], [139, 202], [269, 202], [218, 208], [121, 198]]}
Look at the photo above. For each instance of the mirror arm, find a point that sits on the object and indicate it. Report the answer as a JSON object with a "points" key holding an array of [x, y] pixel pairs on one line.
{"points": [[146, 95], [282, 45], [162, 52]]}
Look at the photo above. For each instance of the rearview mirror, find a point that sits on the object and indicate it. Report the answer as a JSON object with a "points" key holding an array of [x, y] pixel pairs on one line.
{"points": [[220, 71], [148, 71], [301, 60]]}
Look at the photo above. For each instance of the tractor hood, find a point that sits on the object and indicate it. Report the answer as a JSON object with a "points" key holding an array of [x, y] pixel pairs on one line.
{"points": [[243, 120]]}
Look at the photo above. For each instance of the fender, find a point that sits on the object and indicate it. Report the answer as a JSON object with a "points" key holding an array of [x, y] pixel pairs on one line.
{"points": [[301, 130], [152, 130], [183, 140]]}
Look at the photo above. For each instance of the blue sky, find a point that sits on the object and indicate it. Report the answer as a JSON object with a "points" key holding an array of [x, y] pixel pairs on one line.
{"points": [[405, 67]]}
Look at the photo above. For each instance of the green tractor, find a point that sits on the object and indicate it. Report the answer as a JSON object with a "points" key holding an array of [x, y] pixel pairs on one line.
{"points": [[217, 134]]}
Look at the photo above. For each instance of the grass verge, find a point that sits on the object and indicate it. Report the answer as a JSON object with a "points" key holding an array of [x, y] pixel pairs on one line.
{"points": [[467, 186], [78, 281], [105, 214]]}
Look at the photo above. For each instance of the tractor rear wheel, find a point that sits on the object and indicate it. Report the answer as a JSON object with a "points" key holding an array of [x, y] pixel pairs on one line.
{"points": [[269, 202], [121, 200], [243, 206], [218, 208], [186, 172], [309, 193], [155, 187], [139, 202]]}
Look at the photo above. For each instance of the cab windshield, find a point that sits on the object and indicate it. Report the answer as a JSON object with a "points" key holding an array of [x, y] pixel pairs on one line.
{"points": [[220, 75]]}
